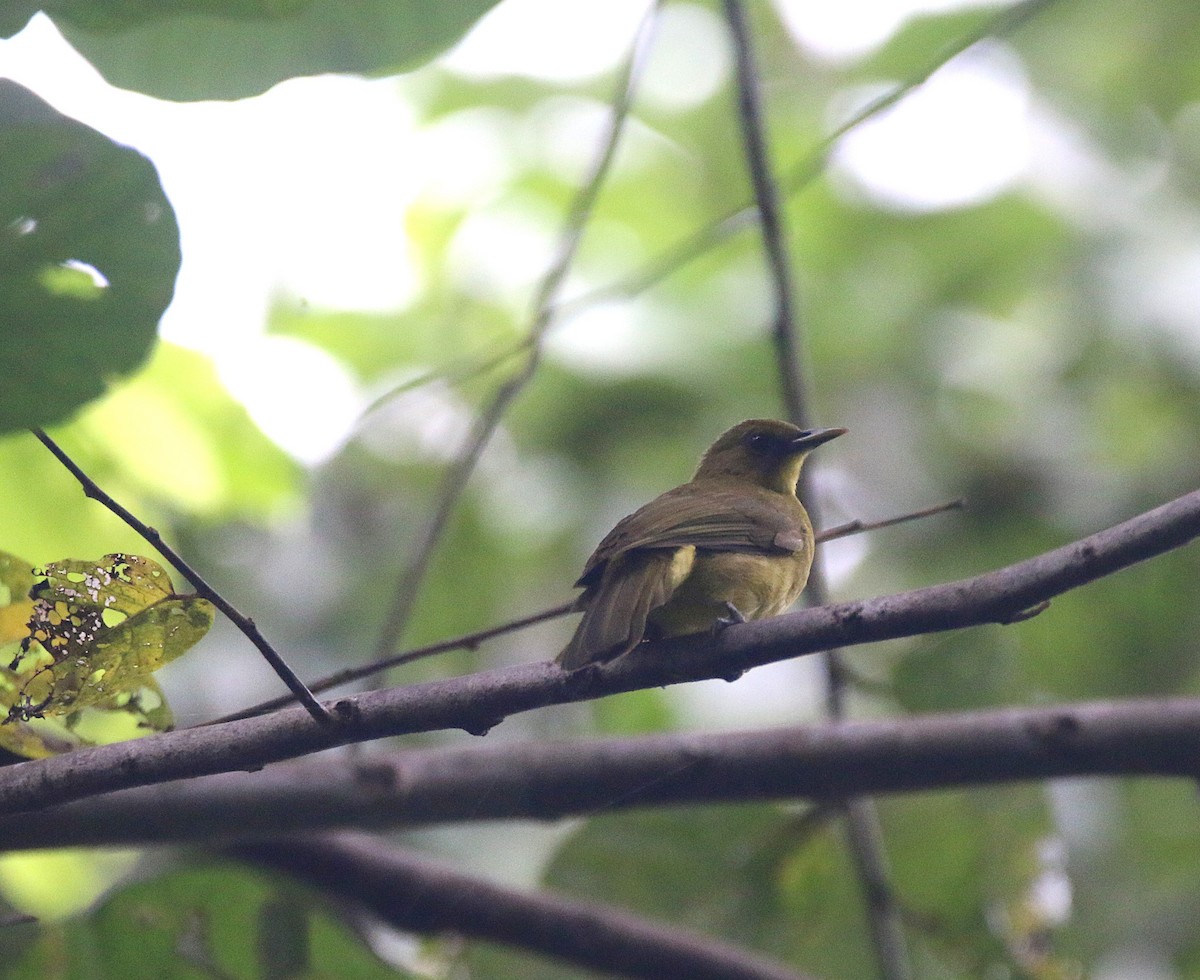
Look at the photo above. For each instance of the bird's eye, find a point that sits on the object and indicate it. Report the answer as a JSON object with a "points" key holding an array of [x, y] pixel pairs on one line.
{"points": [[760, 442]]}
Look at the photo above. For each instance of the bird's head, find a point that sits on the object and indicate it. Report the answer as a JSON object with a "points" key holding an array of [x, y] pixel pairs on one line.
{"points": [[766, 452]]}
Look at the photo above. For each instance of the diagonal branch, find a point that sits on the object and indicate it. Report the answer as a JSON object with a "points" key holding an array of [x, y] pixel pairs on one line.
{"points": [[415, 894], [458, 473], [468, 641], [480, 701], [203, 589], [471, 641]]}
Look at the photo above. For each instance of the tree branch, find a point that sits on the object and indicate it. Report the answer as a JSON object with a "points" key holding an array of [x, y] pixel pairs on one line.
{"points": [[468, 641], [480, 701], [864, 836], [858, 526], [770, 218], [551, 780], [472, 640], [413, 893], [244, 623]]}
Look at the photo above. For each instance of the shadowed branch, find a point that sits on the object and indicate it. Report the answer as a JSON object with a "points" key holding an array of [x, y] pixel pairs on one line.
{"points": [[415, 894], [478, 702], [552, 780]]}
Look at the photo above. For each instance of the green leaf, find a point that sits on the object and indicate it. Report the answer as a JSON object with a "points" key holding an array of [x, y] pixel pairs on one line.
{"points": [[14, 16], [238, 48], [130, 13], [90, 253], [97, 632], [16, 579]]}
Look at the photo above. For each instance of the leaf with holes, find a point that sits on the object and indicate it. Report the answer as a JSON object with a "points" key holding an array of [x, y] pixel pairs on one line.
{"points": [[97, 632]]}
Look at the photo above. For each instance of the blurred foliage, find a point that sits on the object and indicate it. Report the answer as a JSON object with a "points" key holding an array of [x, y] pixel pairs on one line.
{"points": [[90, 255], [205, 920], [758, 876], [1036, 351]]}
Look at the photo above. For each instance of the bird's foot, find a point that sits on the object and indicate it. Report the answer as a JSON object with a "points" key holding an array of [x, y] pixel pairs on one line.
{"points": [[732, 619]]}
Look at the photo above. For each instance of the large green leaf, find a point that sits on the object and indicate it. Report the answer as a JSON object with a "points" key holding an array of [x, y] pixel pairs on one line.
{"points": [[89, 251], [240, 47], [15, 16]]}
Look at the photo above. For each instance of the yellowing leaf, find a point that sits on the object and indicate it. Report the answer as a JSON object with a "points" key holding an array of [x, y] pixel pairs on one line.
{"points": [[127, 583], [16, 579], [96, 634], [141, 644], [35, 740]]}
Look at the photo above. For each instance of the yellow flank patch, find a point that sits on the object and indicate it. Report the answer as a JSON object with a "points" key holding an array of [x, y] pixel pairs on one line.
{"points": [[682, 563]]}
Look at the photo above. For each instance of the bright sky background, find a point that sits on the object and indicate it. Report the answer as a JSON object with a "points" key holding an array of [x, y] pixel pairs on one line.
{"points": [[304, 190]]}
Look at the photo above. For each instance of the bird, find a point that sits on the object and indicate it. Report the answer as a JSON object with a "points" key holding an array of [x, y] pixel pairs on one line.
{"points": [[732, 544]]}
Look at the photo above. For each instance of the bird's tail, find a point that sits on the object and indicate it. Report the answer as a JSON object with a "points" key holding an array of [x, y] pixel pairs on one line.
{"points": [[615, 611]]}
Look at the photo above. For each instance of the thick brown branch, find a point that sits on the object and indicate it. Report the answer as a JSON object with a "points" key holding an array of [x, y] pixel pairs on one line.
{"points": [[550, 780], [471, 641], [479, 701], [416, 894]]}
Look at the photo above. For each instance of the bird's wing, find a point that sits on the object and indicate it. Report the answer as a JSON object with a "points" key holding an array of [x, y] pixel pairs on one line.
{"points": [[723, 519], [645, 558], [616, 610]]}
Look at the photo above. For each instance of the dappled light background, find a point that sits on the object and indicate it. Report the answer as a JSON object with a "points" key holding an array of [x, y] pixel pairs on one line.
{"points": [[999, 282]]}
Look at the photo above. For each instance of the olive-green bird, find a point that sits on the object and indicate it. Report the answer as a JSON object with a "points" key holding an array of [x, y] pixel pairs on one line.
{"points": [[733, 544]]}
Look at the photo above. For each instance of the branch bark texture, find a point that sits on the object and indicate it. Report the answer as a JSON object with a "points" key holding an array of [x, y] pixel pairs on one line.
{"points": [[552, 780], [414, 893], [478, 702]]}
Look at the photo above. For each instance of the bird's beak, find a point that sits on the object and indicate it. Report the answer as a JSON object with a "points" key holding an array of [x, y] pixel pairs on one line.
{"points": [[815, 437]]}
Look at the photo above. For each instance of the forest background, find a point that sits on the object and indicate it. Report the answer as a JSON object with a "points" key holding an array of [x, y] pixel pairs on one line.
{"points": [[967, 234]]}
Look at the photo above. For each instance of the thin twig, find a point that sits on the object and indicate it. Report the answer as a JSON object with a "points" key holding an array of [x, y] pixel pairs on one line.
{"points": [[459, 370], [803, 173], [864, 834], [860, 527], [203, 589], [468, 641], [458, 473], [1004, 22], [481, 701]]}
